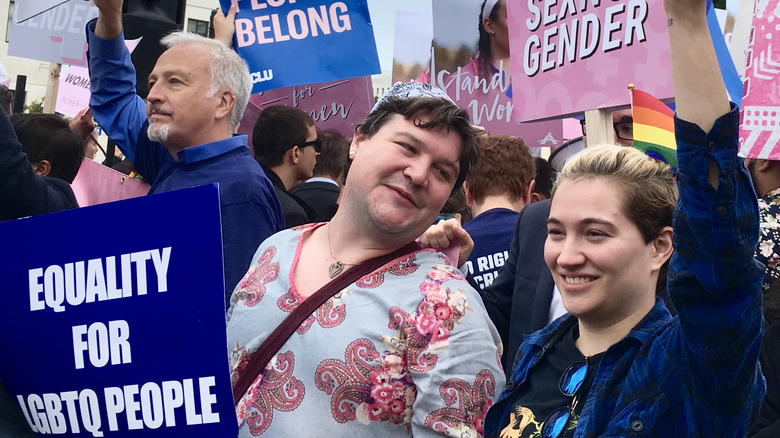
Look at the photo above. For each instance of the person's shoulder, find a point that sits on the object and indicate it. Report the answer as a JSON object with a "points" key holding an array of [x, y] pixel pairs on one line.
{"points": [[432, 267], [537, 208], [287, 199], [61, 196], [534, 214], [242, 157], [287, 236], [315, 187], [435, 264], [244, 169]]}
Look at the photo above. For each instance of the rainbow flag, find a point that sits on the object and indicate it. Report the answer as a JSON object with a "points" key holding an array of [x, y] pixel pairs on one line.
{"points": [[653, 127]]}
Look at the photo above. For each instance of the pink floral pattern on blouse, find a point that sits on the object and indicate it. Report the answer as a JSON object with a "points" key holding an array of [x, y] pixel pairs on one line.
{"points": [[406, 351]]}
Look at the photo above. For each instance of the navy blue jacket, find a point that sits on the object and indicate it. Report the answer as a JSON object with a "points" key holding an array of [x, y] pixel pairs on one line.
{"points": [[695, 374]]}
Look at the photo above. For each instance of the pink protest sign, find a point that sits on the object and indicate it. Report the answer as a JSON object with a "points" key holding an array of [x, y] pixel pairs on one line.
{"points": [[334, 106], [760, 130], [73, 93], [98, 184], [478, 76], [571, 56]]}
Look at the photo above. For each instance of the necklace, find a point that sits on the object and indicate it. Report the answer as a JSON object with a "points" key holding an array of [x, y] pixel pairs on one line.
{"points": [[336, 267]]}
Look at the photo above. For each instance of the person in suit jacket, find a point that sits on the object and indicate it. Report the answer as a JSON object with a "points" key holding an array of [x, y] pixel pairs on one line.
{"points": [[321, 192], [520, 300]]}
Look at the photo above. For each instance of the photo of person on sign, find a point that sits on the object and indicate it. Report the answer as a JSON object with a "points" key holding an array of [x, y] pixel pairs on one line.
{"points": [[493, 45], [471, 63]]}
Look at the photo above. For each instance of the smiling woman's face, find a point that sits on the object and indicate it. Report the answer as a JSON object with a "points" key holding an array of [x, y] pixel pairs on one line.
{"points": [[599, 260]]}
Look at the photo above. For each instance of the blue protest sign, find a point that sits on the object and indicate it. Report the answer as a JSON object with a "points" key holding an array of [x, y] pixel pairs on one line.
{"points": [[121, 336], [290, 43], [727, 68]]}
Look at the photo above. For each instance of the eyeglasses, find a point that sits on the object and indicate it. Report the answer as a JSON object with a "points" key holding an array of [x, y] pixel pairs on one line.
{"points": [[317, 143], [571, 382], [623, 130]]}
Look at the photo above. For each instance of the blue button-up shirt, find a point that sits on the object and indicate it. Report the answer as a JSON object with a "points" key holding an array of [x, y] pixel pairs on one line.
{"points": [[695, 374], [250, 210]]}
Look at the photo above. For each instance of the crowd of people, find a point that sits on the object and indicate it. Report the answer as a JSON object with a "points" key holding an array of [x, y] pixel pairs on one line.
{"points": [[608, 297]]}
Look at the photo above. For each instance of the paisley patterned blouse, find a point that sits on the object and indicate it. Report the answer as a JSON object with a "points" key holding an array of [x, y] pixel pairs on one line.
{"points": [[768, 251], [406, 351]]}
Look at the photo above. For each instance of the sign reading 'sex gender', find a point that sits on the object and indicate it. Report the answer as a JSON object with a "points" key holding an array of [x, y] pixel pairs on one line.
{"points": [[119, 337], [295, 42], [571, 56]]}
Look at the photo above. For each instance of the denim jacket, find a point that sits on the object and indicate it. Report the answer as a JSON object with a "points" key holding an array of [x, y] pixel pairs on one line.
{"points": [[695, 374]]}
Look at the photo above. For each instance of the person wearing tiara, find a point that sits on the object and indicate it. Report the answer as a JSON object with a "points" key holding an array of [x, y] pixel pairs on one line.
{"points": [[406, 349]]}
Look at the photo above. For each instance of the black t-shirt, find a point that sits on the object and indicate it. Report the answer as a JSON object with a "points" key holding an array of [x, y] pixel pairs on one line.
{"points": [[540, 394]]}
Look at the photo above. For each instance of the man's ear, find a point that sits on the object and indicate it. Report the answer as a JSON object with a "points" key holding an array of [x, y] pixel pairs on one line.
{"points": [[357, 140], [226, 100], [469, 198], [765, 165], [294, 154], [662, 247], [529, 192], [42, 168]]}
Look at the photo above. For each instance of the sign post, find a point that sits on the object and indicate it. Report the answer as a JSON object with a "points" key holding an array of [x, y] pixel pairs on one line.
{"points": [[52, 87], [599, 123]]}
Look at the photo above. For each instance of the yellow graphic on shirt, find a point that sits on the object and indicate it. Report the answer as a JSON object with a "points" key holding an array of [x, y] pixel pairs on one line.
{"points": [[522, 418]]}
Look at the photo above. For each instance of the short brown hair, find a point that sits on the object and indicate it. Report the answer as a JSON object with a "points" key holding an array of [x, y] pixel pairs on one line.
{"points": [[648, 186], [333, 155], [505, 167], [277, 129], [442, 112]]}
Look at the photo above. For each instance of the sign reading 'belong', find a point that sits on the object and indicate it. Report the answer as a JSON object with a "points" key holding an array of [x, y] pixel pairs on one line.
{"points": [[289, 42]]}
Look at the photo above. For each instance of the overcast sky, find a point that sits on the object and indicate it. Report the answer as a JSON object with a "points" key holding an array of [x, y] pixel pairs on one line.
{"points": [[383, 16]]}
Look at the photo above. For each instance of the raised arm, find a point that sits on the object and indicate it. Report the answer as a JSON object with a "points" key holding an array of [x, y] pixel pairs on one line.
{"points": [[114, 102], [109, 21], [714, 280], [699, 93]]}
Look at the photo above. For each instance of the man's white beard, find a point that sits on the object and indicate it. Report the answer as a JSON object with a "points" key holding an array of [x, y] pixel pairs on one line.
{"points": [[158, 132]]}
